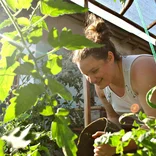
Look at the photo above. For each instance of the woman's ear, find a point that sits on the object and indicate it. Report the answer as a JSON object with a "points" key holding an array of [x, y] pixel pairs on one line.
{"points": [[110, 57]]}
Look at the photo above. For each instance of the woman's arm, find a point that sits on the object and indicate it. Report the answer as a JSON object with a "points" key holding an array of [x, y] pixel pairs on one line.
{"points": [[111, 114], [143, 78]]}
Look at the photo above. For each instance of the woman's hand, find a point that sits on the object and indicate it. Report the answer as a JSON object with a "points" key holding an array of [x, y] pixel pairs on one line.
{"points": [[103, 150]]}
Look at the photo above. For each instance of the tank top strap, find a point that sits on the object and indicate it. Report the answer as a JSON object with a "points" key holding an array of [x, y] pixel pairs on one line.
{"points": [[127, 62]]}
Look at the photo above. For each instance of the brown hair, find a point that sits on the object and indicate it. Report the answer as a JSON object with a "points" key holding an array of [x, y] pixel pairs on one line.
{"points": [[97, 31]]}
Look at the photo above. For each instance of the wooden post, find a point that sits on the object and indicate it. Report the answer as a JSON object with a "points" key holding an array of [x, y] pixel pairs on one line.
{"points": [[86, 3], [86, 93]]}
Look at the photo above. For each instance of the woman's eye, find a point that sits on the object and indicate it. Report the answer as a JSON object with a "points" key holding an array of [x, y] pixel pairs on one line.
{"points": [[94, 71]]}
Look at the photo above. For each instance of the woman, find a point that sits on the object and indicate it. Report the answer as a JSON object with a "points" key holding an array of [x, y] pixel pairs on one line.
{"points": [[120, 81]]}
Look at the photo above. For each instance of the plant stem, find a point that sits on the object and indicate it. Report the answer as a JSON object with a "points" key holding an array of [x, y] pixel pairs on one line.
{"points": [[4, 5]]}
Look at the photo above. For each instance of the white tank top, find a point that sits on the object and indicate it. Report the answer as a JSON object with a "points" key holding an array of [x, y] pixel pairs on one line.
{"points": [[123, 104]]}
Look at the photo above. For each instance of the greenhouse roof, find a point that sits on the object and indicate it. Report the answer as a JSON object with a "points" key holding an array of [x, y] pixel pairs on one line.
{"points": [[136, 16]]}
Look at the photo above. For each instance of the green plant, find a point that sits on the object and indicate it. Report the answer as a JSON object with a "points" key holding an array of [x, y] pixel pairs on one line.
{"points": [[145, 139], [121, 1], [18, 59]]}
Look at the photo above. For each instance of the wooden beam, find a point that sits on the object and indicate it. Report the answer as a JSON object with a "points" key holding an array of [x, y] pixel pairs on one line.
{"points": [[87, 109], [126, 7], [151, 25], [86, 3]]}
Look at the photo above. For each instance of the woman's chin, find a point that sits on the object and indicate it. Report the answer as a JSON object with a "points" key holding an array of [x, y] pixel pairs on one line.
{"points": [[102, 86]]}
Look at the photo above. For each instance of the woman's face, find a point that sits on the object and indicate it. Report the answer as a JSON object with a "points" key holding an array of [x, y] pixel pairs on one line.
{"points": [[99, 72]]}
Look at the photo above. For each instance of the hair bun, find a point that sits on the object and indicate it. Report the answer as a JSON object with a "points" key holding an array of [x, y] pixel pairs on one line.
{"points": [[97, 30]]}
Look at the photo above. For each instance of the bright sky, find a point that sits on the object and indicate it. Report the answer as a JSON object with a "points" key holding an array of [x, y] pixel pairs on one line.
{"points": [[116, 21]]}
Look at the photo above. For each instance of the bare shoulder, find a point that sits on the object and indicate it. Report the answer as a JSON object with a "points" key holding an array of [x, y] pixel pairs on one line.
{"points": [[143, 73]]}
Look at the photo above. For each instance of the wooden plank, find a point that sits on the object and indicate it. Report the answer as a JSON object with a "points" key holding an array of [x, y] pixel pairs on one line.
{"points": [[86, 93]]}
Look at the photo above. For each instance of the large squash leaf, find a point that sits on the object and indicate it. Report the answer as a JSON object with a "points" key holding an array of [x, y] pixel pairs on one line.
{"points": [[19, 4], [24, 69], [25, 98], [72, 41], [63, 134], [6, 78], [57, 88], [69, 40], [56, 8]]}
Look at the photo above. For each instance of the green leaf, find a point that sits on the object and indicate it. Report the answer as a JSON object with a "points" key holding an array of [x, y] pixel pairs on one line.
{"points": [[53, 38], [135, 124], [142, 116], [35, 153], [27, 58], [56, 8], [114, 140], [62, 112], [24, 4], [12, 4], [5, 23], [23, 21], [68, 40], [10, 60], [54, 103], [24, 69], [35, 35], [73, 41], [41, 24], [19, 4], [25, 98], [47, 111], [34, 147], [45, 149], [10, 35], [1, 147], [63, 135], [6, 79], [7, 49], [38, 25], [58, 88], [54, 63]]}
